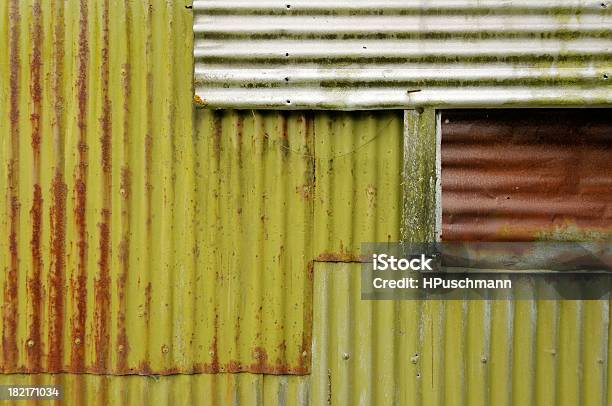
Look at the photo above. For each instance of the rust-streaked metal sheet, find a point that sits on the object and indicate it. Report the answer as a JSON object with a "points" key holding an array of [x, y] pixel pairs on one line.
{"points": [[381, 54], [524, 175], [130, 242], [358, 195], [200, 389], [96, 153], [468, 353], [255, 182]]}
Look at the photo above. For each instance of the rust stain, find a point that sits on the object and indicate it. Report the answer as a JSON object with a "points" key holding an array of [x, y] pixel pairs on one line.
{"points": [[102, 297], [197, 100], [306, 191], [260, 356], [34, 284], [304, 357], [214, 349], [124, 262], [147, 304], [79, 284], [56, 273], [217, 134], [9, 311], [57, 214], [516, 175], [122, 343], [284, 136], [338, 257], [102, 283]]}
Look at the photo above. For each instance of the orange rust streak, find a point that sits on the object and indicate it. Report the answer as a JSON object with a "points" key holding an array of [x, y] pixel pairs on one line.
{"points": [[9, 311], [79, 284], [57, 213], [124, 260], [34, 282], [102, 283], [338, 257], [125, 192], [56, 273]]}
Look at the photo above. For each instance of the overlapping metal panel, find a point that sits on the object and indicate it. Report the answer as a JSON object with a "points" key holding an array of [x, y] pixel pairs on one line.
{"points": [[131, 241], [383, 54], [524, 175], [455, 352], [200, 389], [253, 230], [358, 194]]}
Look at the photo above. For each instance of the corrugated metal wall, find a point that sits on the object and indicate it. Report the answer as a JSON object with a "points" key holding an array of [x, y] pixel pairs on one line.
{"points": [[97, 186], [131, 243], [200, 389], [524, 175], [139, 237], [455, 352], [361, 54]]}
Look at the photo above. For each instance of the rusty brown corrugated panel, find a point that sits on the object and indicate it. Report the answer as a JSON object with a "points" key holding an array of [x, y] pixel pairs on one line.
{"points": [[526, 175], [130, 243], [199, 389]]}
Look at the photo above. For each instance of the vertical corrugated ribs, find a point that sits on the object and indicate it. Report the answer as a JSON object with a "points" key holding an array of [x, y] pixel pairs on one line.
{"points": [[79, 278], [11, 287], [102, 284], [34, 343]]}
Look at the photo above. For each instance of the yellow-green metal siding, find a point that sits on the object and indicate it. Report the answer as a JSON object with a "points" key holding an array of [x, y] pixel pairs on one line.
{"points": [[140, 237], [132, 241], [242, 389], [255, 183], [455, 352], [358, 181]]}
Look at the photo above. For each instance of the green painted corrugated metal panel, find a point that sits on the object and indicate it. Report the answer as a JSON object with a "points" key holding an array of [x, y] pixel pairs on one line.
{"points": [[97, 186], [130, 243], [454, 352], [358, 190], [201, 389], [255, 177]]}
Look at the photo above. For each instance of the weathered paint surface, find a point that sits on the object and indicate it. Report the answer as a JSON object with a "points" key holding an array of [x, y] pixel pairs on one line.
{"points": [[381, 54], [358, 194], [455, 352], [132, 241], [199, 389], [448, 353], [252, 295], [525, 175], [96, 161]]}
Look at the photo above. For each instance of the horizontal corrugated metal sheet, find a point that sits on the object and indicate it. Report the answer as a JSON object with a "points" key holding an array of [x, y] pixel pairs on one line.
{"points": [[523, 175], [130, 243], [201, 389], [387, 53], [456, 352]]}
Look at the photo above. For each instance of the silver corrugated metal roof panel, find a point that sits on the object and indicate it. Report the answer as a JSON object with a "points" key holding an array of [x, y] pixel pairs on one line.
{"points": [[389, 53]]}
